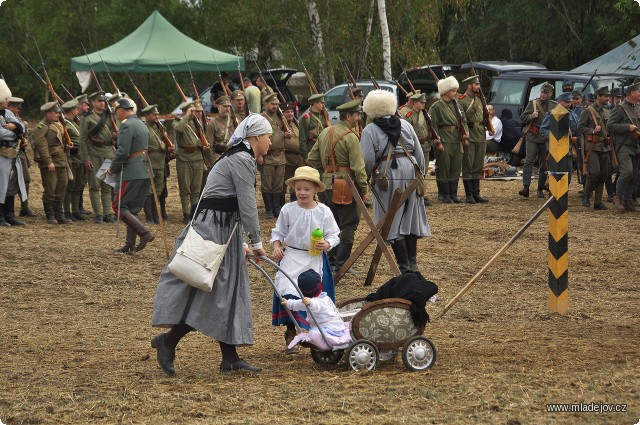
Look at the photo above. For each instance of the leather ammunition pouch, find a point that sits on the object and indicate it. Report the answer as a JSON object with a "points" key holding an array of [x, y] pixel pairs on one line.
{"points": [[341, 194], [534, 129]]}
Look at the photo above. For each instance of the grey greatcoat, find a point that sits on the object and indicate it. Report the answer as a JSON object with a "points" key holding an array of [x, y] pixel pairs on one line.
{"points": [[223, 314], [411, 218], [9, 157]]}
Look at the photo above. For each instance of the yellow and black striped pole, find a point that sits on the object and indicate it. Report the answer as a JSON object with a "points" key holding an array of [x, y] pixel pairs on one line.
{"points": [[558, 253]]}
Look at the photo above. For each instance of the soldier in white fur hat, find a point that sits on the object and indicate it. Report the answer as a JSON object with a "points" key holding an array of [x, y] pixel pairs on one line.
{"points": [[11, 174], [449, 149]]}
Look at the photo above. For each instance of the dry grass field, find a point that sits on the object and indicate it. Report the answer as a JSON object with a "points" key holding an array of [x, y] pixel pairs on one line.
{"points": [[75, 330]]}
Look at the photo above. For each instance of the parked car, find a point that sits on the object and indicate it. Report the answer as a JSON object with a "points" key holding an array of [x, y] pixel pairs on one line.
{"points": [[340, 94], [279, 77], [510, 93]]}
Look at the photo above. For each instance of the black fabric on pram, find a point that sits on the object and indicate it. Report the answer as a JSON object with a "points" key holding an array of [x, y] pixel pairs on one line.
{"points": [[411, 286]]}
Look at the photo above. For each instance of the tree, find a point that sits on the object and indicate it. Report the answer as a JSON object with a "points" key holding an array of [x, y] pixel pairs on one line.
{"points": [[386, 39], [326, 77]]}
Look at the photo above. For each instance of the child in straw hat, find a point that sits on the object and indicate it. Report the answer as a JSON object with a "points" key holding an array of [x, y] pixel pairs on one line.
{"points": [[293, 231]]}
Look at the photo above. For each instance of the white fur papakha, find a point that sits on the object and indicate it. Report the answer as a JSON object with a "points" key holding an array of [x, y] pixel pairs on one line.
{"points": [[447, 84], [5, 93], [380, 103]]}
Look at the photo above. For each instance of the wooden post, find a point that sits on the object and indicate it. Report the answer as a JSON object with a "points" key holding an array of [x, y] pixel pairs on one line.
{"points": [[558, 253]]}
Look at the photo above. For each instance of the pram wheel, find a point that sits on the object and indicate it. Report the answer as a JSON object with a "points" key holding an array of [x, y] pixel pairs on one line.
{"points": [[362, 355], [326, 357], [418, 353]]}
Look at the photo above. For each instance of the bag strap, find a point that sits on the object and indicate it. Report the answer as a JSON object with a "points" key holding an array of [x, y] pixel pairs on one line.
{"points": [[332, 144], [411, 158], [595, 121]]}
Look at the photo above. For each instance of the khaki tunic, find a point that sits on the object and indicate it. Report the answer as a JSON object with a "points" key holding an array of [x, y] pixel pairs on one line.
{"points": [[275, 156], [292, 146], [50, 144], [311, 125], [473, 156], [449, 161], [100, 145], [219, 131]]}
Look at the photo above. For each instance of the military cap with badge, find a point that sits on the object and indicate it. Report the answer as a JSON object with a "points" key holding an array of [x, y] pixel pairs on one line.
{"points": [[271, 98], [150, 109], [471, 80], [70, 104], [50, 107], [223, 101], [318, 97]]}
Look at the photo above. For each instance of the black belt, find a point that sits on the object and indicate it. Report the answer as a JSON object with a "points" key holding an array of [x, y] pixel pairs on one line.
{"points": [[219, 204], [8, 144]]}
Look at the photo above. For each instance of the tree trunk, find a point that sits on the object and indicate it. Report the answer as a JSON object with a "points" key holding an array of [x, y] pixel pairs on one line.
{"points": [[325, 73], [386, 39], [367, 37]]}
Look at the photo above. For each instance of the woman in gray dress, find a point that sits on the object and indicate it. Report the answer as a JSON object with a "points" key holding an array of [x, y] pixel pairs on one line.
{"points": [[223, 314], [387, 131]]}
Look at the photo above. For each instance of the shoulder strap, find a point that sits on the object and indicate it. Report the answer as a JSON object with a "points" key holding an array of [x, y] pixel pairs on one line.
{"points": [[332, 143], [411, 158], [593, 116], [626, 111], [98, 128]]}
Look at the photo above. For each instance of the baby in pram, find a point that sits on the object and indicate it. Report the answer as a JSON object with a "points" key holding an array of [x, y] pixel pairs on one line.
{"points": [[326, 314]]}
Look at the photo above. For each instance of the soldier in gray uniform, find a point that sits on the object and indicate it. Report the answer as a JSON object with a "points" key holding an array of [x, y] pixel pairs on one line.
{"points": [[131, 169], [535, 143], [53, 164], [157, 153], [15, 105], [624, 125], [71, 202], [597, 144], [96, 145]]}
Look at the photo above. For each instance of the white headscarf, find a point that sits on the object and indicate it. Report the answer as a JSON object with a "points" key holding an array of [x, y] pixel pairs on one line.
{"points": [[253, 125]]}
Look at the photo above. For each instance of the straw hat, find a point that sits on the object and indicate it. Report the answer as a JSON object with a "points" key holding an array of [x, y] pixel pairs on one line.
{"points": [[306, 173]]}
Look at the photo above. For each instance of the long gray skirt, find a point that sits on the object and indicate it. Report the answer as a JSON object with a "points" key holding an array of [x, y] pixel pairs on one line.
{"points": [[223, 314]]}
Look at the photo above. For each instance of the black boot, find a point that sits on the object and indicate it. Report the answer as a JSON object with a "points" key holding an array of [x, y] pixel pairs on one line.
{"points": [[276, 204], [129, 242], [443, 192], [3, 222], [9, 212], [475, 184], [25, 211], [163, 208], [154, 213], [145, 235], [468, 191], [268, 209], [586, 194], [411, 242], [58, 214], [48, 212], [524, 192], [148, 214], [453, 191], [402, 257]]}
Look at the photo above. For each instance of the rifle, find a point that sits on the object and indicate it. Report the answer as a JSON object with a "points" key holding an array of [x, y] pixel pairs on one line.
{"points": [[351, 80], [225, 89], [433, 74], [113, 84], [285, 126], [160, 126], [61, 119], [314, 90], [196, 120], [371, 77], [95, 77], [39, 77], [346, 78], [413, 89], [246, 105], [485, 110], [68, 92]]}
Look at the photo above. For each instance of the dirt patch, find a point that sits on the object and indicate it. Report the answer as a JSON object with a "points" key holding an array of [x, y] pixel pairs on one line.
{"points": [[75, 322]]}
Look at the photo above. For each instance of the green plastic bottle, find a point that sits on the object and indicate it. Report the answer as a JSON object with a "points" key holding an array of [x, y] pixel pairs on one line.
{"points": [[316, 236]]}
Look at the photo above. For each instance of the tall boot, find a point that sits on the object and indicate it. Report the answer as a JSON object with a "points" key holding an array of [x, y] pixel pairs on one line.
{"points": [[475, 183], [148, 214], [136, 225], [402, 257], [443, 192], [48, 212], [81, 203], [129, 242], [276, 205], [586, 194], [343, 252], [524, 192], [154, 212], [25, 211], [468, 191], [9, 212], [597, 201], [411, 242], [268, 209], [66, 204], [58, 213], [453, 191], [3, 222], [163, 208], [75, 207]]}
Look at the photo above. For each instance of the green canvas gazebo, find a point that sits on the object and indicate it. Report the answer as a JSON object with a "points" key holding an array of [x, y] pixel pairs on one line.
{"points": [[153, 42]]}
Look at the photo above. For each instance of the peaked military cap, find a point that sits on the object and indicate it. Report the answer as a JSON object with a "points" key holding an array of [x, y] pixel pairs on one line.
{"points": [[471, 80], [15, 100], [50, 107], [125, 103], [287, 106], [602, 91], [318, 97], [99, 95], [546, 87], [82, 98], [633, 87], [567, 83], [186, 104], [150, 109], [564, 97], [576, 94], [237, 94], [272, 98], [419, 97], [352, 106], [70, 104], [197, 105], [223, 101]]}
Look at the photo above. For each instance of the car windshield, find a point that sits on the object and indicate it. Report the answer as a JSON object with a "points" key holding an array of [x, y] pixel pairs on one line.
{"points": [[508, 92]]}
